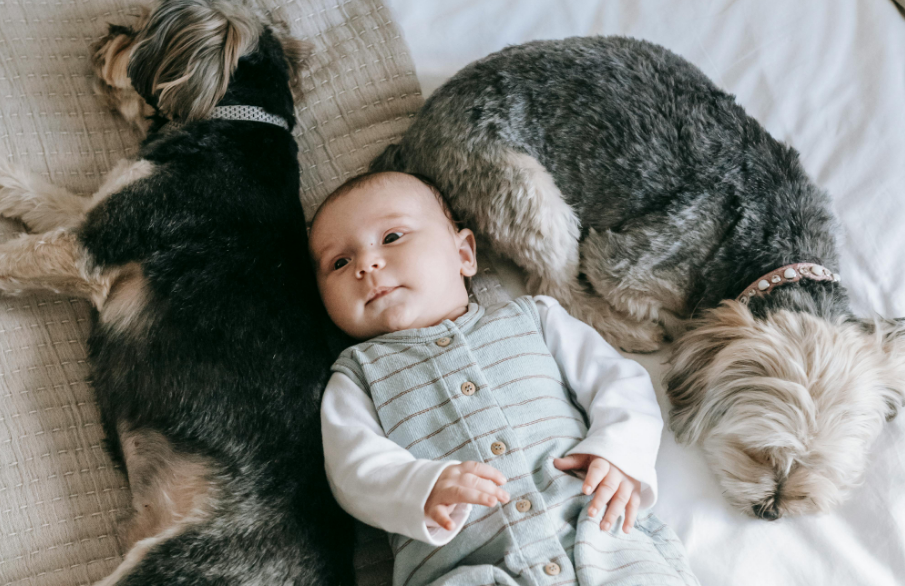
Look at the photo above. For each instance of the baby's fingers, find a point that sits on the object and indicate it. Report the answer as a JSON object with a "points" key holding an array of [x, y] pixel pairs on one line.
{"points": [[597, 471], [462, 494], [605, 492], [631, 512], [616, 505], [441, 517], [488, 487], [484, 471], [571, 462]]}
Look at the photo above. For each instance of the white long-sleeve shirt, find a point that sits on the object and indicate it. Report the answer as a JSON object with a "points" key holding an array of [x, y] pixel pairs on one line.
{"points": [[383, 485]]}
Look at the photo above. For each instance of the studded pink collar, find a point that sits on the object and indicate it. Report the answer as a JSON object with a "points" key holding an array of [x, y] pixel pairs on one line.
{"points": [[783, 275]]}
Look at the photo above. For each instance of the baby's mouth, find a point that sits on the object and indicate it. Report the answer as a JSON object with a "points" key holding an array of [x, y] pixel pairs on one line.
{"points": [[378, 293]]}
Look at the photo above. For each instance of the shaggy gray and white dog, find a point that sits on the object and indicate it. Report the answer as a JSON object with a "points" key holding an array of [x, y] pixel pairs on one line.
{"points": [[642, 196]]}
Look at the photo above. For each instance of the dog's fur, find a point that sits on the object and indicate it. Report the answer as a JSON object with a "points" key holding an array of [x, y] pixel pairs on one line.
{"points": [[209, 351], [641, 195]]}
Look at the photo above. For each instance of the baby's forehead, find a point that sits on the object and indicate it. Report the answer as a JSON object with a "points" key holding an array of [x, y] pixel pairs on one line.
{"points": [[380, 193], [380, 196], [390, 182]]}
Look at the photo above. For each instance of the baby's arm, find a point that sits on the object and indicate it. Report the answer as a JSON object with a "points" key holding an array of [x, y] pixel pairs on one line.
{"points": [[384, 485], [615, 392]]}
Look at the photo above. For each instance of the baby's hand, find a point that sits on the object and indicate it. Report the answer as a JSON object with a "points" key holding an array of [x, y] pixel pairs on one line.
{"points": [[468, 482], [613, 486]]}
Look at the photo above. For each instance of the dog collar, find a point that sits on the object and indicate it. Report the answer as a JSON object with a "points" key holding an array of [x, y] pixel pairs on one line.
{"points": [[249, 113], [784, 275]]}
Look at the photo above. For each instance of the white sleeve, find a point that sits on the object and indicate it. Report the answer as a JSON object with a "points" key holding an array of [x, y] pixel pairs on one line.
{"points": [[374, 479], [615, 392]]}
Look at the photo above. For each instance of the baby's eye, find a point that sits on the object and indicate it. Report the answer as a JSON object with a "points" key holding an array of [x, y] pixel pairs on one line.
{"points": [[392, 237], [340, 264]]}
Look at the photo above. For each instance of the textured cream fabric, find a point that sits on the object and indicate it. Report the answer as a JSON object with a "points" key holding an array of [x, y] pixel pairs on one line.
{"points": [[60, 496]]}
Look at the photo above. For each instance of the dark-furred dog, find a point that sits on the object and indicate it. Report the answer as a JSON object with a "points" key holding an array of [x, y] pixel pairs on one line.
{"points": [[208, 349], [641, 195]]}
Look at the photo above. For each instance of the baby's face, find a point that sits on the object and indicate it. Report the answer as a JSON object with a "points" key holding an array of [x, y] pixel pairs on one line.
{"points": [[388, 259]]}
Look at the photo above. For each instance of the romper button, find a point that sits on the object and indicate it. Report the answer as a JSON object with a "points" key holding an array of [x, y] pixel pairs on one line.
{"points": [[444, 341], [468, 388], [552, 569], [523, 506], [498, 448]]}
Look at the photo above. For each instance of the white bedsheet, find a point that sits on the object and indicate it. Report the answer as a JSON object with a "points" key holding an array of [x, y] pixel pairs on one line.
{"points": [[827, 76]]}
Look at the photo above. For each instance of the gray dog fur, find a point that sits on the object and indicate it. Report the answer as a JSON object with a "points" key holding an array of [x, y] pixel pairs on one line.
{"points": [[642, 196]]}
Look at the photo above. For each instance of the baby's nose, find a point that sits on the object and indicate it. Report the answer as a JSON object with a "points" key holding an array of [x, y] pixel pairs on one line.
{"points": [[370, 264]]}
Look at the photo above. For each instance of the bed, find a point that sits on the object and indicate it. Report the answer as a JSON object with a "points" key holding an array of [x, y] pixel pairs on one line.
{"points": [[825, 75]]}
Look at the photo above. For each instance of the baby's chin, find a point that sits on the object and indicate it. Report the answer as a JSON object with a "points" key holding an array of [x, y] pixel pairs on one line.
{"points": [[384, 321], [395, 318], [398, 317]]}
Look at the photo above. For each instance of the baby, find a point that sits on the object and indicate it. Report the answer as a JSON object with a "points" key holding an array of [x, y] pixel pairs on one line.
{"points": [[462, 430]]}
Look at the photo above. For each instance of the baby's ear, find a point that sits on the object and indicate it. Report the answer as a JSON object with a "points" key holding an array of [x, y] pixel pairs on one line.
{"points": [[467, 252]]}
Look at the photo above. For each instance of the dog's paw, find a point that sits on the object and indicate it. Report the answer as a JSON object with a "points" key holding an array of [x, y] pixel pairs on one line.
{"points": [[645, 338], [15, 184], [620, 329]]}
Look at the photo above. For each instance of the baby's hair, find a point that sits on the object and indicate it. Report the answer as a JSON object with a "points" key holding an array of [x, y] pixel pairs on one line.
{"points": [[369, 176]]}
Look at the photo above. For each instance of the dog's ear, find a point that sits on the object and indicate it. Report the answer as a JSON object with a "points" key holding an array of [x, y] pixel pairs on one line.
{"points": [[695, 365], [184, 56], [110, 57]]}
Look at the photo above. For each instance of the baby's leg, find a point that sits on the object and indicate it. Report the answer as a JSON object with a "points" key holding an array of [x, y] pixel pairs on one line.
{"points": [[651, 550]]}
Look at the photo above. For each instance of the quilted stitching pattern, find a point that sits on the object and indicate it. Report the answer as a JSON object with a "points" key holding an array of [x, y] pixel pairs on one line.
{"points": [[60, 496]]}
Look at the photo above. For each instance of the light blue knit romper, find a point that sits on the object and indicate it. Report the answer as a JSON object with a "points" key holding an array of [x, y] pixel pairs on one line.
{"points": [[486, 388]]}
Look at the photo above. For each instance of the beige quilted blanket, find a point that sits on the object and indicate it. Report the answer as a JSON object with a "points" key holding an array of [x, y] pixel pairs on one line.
{"points": [[60, 496]]}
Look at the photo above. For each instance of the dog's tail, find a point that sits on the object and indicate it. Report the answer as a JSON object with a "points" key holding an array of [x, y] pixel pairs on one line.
{"points": [[391, 159]]}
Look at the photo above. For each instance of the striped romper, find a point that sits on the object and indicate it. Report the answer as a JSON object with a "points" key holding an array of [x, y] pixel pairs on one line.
{"points": [[486, 388]]}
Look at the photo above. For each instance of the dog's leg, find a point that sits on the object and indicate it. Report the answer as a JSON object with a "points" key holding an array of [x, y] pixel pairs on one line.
{"points": [[171, 493], [633, 270], [52, 261], [38, 204], [673, 324], [531, 223], [43, 207], [523, 214], [122, 174], [168, 487], [620, 329]]}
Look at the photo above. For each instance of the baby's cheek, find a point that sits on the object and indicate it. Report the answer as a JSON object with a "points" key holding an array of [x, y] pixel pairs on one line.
{"points": [[341, 310], [396, 318]]}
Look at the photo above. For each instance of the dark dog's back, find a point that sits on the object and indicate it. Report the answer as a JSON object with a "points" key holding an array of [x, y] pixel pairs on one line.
{"points": [[228, 356]]}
